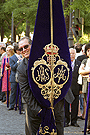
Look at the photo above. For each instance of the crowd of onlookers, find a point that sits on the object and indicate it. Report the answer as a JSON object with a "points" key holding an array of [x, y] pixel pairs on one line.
{"points": [[80, 63], [10, 58]]}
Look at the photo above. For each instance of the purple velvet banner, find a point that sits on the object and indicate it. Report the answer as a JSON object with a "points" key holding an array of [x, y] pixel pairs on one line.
{"points": [[40, 49], [42, 37]]}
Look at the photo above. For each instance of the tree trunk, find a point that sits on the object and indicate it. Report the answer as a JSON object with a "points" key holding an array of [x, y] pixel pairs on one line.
{"points": [[14, 34], [66, 2], [2, 33], [27, 28]]}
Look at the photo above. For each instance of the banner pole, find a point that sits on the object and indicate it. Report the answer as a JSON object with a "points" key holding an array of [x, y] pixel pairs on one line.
{"points": [[86, 118], [7, 86]]}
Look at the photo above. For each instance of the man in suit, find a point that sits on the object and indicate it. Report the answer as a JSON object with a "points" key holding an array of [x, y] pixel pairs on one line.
{"points": [[13, 61], [33, 106], [75, 90], [83, 55]]}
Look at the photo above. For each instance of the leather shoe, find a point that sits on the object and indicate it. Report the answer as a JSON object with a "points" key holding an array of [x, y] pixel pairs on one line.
{"points": [[75, 125], [66, 124], [11, 108], [4, 99], [1, 99]]}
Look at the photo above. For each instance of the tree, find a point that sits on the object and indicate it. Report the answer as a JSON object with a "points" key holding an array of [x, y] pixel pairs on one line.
{"points": [[84, 8], [23, 11], [66, 8]]}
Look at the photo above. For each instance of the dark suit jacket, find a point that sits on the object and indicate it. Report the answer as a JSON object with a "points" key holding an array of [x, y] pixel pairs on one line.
{"points": [[81, 58], [25, 88], [75, 74], [33, 107], [13, 64]]}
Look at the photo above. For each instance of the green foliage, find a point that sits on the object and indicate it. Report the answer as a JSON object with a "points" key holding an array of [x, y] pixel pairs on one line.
{"points": [[22, 10], [67, 11], [84, 39], [87, 29], [26, 10], [84, 8]]}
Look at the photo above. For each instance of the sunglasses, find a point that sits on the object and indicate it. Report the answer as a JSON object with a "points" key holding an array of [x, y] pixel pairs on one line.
{"points": [[25, 47]]}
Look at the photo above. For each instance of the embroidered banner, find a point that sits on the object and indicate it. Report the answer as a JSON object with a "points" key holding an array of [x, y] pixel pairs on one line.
{"points": [[49, 69]]}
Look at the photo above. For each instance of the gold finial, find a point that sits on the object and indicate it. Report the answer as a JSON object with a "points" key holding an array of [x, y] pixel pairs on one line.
{"points": [[51, 19]]}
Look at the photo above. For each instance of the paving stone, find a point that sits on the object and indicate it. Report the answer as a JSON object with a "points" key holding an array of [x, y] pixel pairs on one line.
{"points": [[13, 123]]}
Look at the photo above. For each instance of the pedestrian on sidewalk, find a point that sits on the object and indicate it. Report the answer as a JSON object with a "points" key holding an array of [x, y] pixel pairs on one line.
{"points": [[75, 90], [14, 60], [4, 67], [85, 71]]}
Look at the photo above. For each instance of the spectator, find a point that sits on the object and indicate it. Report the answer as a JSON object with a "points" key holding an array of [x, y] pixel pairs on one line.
{"points": [[78, 48], [75, 90], [82, 102], [85, 71], [14, 60], [5, 62], [3, 53], [2, 95]]}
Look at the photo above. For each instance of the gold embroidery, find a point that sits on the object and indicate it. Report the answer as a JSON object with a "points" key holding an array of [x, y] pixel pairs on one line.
{"points": [[50, 73], [42, 74], [46, 131]]}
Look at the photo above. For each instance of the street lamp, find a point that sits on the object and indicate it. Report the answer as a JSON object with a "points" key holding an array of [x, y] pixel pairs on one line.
{"points": [[70, 37]]}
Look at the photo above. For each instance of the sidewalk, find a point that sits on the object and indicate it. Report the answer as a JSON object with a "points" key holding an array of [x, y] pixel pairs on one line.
{"points": [[71, 130], [13, 123]]}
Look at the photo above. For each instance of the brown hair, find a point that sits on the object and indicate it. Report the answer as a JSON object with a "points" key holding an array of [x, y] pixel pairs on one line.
{"points": [[29, 40]]}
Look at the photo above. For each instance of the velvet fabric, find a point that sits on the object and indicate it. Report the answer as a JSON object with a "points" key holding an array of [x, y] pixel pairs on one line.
{"points": [[7, 87], [86, 118], [41, 38], [2, 76], [17, 97], [47, 120], [19, 100], [18, 94]]}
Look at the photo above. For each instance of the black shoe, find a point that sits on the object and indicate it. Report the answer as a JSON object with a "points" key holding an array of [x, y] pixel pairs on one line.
{"points": [[87, 131], [79, 117], [66, 124], [11, 108], [75, 125], [3, 100], [82, 118]]}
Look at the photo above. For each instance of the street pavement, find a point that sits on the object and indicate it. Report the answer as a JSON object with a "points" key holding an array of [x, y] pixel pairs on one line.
{"points": [[71, 130], [13, 123]]}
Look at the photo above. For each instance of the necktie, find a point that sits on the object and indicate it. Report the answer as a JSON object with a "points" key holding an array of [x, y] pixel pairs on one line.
{"points": [[72, 65]]}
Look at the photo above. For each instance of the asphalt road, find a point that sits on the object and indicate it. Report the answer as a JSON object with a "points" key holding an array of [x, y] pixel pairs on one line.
{"points": [[13, 123]]}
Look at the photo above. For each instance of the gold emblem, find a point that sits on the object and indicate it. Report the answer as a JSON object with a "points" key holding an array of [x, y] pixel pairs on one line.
{"points": [[50, 73]]}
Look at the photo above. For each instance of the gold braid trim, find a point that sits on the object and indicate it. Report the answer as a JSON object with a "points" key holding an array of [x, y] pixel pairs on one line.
{"points": [[46, 130], [40, 111]]}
